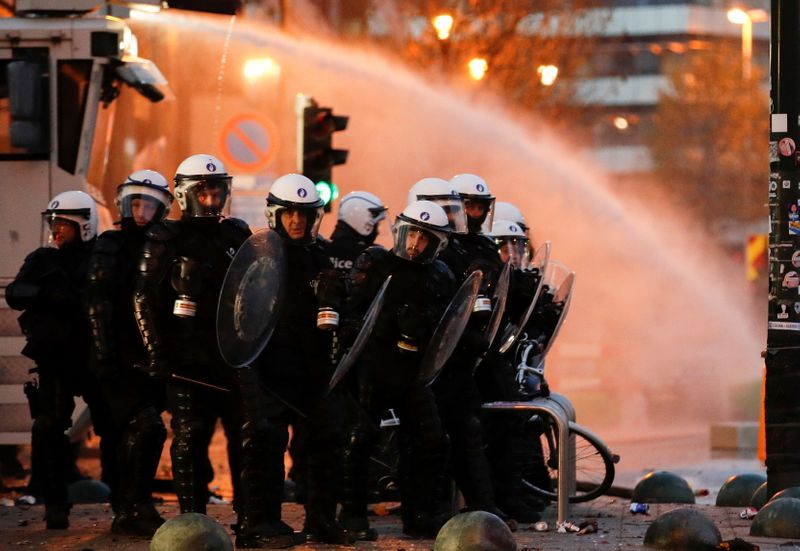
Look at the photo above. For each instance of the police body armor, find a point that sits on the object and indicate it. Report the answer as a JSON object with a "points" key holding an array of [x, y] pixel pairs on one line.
{"points": [[387, 376], [49, 288], [186, 261], [134, 402]]}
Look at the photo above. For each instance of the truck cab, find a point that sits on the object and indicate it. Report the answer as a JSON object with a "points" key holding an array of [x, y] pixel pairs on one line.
{"points": [[61, 63]]}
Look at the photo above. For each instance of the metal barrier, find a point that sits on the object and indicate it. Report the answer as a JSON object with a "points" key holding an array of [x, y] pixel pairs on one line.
{"points": [[560, 409]]}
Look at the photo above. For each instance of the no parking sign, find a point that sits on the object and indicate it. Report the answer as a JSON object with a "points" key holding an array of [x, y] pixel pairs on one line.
{"points": [[248, 143]]}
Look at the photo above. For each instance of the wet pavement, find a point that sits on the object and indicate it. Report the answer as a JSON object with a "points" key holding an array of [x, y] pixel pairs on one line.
{"points": [[687, 454], [23, 529]]}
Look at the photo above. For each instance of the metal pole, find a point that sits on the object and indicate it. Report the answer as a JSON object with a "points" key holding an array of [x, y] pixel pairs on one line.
{"points": [[782, 358]]}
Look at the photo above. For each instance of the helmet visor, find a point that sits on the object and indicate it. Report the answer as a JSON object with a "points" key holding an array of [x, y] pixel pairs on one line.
{"points": [[298, 225], [415, 243], [480, 214], [60, 231], [514, 250], [454, 209], [143, 209], [207, 197]]}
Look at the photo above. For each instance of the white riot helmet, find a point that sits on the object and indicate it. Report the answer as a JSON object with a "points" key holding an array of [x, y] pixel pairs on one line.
{"points": [[420, 232], [504, 210], [74, 207], [203, 187], [474, 189], [441, 192], [148, 186], [361, 211], [512, 243], [298, 193]]}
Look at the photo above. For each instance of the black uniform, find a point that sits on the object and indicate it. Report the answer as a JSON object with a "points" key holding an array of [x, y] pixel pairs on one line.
{"points": [[346, 244], [388, 377], [50, 289], [189, 258], [456, 390], [134, 400], [288, 386], [512, 447]]}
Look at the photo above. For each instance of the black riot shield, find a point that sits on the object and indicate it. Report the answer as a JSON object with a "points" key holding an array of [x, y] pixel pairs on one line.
{"points": [[514, 329], [499, 298], [451, 326], [251, 298], [367, 325]]}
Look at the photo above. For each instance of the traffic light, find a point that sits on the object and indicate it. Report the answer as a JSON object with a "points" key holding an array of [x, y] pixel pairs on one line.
{"points": [[317, 156]]}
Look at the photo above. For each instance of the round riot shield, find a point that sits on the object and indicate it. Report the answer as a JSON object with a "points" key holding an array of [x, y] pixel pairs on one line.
{"points": [[451, 325], [251, 298], [367, 324], [514, 329]]}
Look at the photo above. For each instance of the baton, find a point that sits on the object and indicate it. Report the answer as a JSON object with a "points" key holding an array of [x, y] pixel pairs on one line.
{"points": [[201, 383]]}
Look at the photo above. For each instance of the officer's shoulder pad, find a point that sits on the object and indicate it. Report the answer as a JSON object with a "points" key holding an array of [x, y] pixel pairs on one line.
{"points": [[108, 242], [164, 231], [376, 251], [370, 255], [237, 223], [441, 269], [42, 253]]}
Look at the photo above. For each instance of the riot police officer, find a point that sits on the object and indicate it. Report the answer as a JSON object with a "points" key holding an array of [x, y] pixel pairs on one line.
{"points": [[50, 289], [181, 271], [288, 383], [511, 447], [387, 374], [359, 217], [456, 392], [134, 401]]}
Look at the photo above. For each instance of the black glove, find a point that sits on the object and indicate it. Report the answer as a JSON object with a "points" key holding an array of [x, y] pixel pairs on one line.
{"points": [[189, 276], [329, 288]]}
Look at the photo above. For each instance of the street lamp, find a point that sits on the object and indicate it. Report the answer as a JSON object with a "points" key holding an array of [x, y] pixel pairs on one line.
{"points": [[547, 74], [443, 25], [477, 68], [746, 18]]}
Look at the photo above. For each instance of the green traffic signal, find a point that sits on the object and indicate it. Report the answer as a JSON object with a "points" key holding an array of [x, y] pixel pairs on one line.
{"points": [[328, 192]]}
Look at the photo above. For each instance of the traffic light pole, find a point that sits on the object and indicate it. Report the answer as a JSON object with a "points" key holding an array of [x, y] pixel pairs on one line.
{"points": [[316, 155], [782, 408]]}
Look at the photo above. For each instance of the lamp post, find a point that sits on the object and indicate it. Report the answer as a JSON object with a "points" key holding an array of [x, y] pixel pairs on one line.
{"points": [[746, 18], [443, 24]]}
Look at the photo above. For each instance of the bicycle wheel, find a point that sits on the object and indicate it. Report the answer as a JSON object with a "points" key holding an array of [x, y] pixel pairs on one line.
{"points": [[594, 463]]}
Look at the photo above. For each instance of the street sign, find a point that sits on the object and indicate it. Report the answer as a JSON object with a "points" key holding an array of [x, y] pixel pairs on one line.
{"points": [[248, 142]]}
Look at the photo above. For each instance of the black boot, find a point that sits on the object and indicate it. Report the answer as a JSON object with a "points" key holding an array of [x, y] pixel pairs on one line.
{"points": [[266, 535], [188, 453], [56, 517], [138, 456], [137, 520]]}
